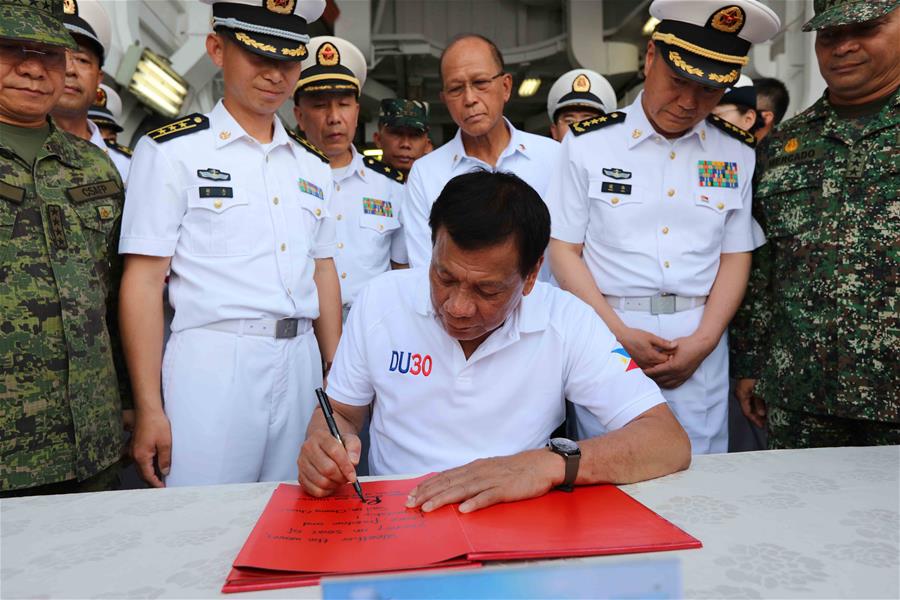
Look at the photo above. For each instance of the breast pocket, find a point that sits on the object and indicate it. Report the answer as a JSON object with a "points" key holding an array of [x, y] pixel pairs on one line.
{"points": [[377, 232], [312, 217], [218, 222], [711, 209], [616, 213]]}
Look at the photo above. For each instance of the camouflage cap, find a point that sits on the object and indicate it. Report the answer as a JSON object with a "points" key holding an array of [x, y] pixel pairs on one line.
{"points": [[833, 13], [38, 21], [398, 112]]}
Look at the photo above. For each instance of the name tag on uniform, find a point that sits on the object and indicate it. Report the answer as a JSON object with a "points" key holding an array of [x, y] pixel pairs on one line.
{"points": [[310, 188], [715, 173], [216, 192], [380, 208], [616, 188], [93, 191]]}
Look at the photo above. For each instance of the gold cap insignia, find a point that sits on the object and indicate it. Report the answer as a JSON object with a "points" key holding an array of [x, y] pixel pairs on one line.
{"points": [[70, 7], [281, 7], [791, 145], [100, 99], [581, 84], [328, 55], [729, 19], [224, 135]]}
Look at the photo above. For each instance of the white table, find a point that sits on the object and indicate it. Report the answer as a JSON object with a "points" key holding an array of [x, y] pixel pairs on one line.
{"points": [[778, 524]]}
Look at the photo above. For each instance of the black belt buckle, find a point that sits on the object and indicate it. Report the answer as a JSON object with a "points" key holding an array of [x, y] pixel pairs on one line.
{"points": [[286, 328]]}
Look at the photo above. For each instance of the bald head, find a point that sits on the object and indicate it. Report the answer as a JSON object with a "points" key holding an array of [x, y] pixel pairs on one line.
{"points": [[468, 44]]}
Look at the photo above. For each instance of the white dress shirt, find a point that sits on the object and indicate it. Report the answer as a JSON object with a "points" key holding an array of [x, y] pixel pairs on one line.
{"points": [[530, 157], [366, 206], [122, 161], [649, 215], [434, 409], [242, 221]]}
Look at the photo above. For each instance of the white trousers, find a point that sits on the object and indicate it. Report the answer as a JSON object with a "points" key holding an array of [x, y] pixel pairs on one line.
{"points": [[239, 405], [701, 403]]}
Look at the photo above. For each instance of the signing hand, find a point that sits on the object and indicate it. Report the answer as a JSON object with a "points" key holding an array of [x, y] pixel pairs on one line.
{"points": [[325, 465], [687, 357], [488, 481], [152, 440], [753, 406], [646, 349]]}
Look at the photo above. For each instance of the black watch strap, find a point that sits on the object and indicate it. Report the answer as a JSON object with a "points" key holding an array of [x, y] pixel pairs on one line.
{"points": [[571, 454]]}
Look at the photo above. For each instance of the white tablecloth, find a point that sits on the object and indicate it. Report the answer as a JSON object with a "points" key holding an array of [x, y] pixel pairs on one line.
{"points": [[777, 524]]}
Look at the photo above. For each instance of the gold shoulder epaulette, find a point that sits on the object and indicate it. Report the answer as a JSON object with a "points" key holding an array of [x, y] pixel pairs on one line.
{"points": [[189, 124], [119, 148], [308, 145], [595, 123], [385, 169], [733, 130]]}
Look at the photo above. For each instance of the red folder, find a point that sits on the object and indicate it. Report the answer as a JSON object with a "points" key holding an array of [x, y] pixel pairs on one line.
{"points": [[299, 539]]}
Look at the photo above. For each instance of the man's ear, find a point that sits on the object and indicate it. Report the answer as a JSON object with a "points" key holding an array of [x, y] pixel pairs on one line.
{"points": [[298, 115], [376, 138], [215, 47], [532, 276]]}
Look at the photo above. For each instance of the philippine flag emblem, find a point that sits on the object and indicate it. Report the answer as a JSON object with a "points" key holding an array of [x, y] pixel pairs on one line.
{"points": [[622, 356]]}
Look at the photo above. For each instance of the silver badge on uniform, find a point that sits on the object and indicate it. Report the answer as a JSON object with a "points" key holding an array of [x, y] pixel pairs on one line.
{"points": [[617, 173], [213, 174]]}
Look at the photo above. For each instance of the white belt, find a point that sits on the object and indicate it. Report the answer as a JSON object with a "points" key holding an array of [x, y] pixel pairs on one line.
{"points": [[278, 329], [660, 304]]}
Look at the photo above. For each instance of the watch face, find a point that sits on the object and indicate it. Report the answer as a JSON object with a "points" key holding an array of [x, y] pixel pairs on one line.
{"points": [[565, 445]]}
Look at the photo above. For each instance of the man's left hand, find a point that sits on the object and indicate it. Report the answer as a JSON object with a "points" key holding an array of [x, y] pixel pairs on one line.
{"points": [[488, 481], [689, 353]]}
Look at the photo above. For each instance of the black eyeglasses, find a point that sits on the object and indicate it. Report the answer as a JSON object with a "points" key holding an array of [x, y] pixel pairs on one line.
{"points": [[479, 85]]}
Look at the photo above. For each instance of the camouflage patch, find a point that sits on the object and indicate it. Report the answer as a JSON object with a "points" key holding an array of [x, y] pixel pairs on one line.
{"points": [[13, 193], [94, 191], [57, 227], [792, 155]]}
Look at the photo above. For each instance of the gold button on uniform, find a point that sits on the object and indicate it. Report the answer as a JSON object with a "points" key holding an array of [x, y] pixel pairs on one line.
{"points": [[666, 264], [339, 217], [671, 193], [340, 245], [380, 227], [343, 275], [217, 204], [318, 212], [672, 155], [720, 205], [665, 230], [615, 200], [283, 247], [275, 200], [337, 187]]}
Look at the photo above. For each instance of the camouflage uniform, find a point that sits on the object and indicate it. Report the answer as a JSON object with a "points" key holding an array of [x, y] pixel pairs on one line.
{"points": [[819, 327], [60, 409]]}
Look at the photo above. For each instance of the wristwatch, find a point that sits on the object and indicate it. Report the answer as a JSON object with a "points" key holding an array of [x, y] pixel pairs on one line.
{"points": [[571, 453]]}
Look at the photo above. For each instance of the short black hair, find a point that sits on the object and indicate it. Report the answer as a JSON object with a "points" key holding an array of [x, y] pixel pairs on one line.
{"points": [[480, 209], [775, 93], [559, 112], [299, 93], [495, 51]]}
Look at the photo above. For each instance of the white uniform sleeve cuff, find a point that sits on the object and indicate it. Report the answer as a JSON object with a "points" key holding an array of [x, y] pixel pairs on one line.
{"points": [[147, 246], [571, 235], [324, 251], [336, 393]]}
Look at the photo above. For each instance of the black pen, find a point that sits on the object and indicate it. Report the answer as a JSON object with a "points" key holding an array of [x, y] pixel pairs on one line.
{"points": [[332, 426]]}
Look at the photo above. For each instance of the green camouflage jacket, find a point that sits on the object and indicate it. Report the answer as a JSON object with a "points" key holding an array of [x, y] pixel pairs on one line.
{"points": [[60, 408], [819, 326]]}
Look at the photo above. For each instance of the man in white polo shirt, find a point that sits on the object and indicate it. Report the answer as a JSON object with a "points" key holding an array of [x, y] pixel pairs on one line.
{"points": [[475, 90], [473, 359]]}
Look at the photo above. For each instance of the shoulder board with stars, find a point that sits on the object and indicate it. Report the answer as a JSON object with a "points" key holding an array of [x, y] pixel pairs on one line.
{"points": [[308, 145], [189, 124], [733, 130], [119, 148], [595, 123], [385, 169]]}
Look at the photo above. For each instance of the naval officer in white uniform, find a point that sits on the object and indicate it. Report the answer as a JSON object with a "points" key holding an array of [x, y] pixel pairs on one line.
{"points": [[239, 209], [651, 211], [367, 193]]}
